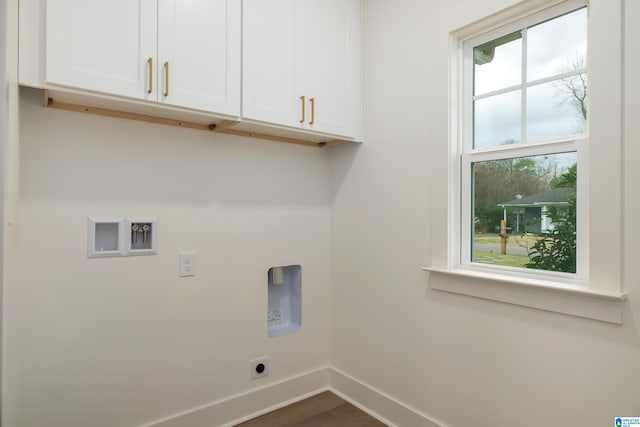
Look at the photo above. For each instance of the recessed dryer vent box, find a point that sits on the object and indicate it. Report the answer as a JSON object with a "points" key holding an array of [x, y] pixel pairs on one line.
{"points": [[284, 292]]}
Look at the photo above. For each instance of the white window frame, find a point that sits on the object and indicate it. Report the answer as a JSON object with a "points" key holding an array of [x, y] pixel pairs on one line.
{"points": [[596, 291], [524, 148]]}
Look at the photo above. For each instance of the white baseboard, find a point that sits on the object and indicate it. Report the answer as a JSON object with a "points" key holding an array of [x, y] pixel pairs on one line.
{"points": [[242, 407], [376, 403], [245, 406]]}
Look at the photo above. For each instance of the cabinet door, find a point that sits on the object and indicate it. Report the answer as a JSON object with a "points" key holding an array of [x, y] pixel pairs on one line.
{"points": [[332, 64], [303, 48], [199, 41], [271, 90], [102, 46]]}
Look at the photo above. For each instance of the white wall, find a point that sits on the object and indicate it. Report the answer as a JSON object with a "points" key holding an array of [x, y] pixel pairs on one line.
{"points": [[124, 341], [10, 201], [460, 360], [3, 143]]}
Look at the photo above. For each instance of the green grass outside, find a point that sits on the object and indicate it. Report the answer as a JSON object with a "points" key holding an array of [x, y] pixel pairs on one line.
{"points": [[497, 259], [526, 240]]}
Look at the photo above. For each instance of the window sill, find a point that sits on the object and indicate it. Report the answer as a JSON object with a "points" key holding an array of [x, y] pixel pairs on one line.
{"points": [[546, 295]]}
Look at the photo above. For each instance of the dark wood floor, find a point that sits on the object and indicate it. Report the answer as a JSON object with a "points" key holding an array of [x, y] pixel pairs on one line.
{"points": [[323, 410]]}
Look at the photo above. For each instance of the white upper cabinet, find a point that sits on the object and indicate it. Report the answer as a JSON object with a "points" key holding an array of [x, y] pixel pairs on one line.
{"points": [[184, 54], [270, 84], [101, 45], [200, 43], [302, 64], [288, 69]]}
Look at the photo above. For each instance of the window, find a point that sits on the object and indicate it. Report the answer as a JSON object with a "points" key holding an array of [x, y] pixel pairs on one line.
{"points": [[511, 142], [524, 140]]}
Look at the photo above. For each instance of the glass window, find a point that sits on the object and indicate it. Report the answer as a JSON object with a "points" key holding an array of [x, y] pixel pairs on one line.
{"points": [[497, 120], [557, 109], [527, 125], [524, 211], [553, 46], [498, 64]]}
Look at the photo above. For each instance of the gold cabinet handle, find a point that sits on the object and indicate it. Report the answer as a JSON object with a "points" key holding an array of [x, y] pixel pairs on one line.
{"points": [[302, 104], [313, 110], [166, 78], [150, 65]]}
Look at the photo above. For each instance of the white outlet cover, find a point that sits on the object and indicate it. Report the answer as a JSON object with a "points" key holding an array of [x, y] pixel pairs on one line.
{"points": [[186, 264]]}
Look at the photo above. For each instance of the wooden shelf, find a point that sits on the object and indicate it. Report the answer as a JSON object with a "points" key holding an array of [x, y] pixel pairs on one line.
{"points": [[229, 127]]}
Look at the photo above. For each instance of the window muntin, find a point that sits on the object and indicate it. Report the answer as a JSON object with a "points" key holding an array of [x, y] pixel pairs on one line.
{"points": [[528, 110]]}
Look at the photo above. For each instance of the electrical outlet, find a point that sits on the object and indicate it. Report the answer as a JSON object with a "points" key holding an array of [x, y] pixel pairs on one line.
{"points": [[259, 367], [187, 264]]}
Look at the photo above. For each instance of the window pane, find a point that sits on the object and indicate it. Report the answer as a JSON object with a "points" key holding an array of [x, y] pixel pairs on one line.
{"points": [[497, 120], [557, 46], [557, 109], [536, 197], [498, 64]]}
